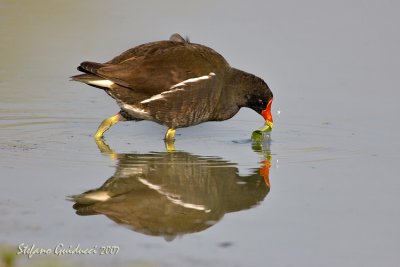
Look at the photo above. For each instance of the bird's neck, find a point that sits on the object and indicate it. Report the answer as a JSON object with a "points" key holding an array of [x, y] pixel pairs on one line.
{"points": [[240, 84], [233, 96]]}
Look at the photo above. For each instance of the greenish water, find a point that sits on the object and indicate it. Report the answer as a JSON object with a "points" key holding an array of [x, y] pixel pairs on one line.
{"points": [[321, 191]]}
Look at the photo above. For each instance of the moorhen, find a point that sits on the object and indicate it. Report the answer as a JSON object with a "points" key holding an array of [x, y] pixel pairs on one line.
{"points": [[175, 83]]}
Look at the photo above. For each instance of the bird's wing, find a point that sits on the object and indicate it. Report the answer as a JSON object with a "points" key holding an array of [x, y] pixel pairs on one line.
{"points": [[156, 67], [194, 97], [153, 68]]}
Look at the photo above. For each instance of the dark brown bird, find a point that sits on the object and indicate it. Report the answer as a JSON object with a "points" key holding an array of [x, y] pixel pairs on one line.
{"points": [[177, 84]]}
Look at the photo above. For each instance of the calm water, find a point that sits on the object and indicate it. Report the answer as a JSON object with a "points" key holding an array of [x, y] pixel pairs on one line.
{"points": [[323, 191]]}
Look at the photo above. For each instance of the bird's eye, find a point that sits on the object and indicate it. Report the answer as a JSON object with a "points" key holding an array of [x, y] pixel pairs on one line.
{"points": [[260, 101]]}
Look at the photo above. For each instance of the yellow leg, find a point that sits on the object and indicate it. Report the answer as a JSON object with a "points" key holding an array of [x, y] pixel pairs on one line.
{"points": [[170, 135], [169, 140], [106, 124]]}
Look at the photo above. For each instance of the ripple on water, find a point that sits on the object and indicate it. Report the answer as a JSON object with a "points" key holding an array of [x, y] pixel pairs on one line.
{"points": [[31, 140]]}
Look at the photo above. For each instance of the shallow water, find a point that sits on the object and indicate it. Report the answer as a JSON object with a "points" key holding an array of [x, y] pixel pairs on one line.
{"points": [[323, 191]]}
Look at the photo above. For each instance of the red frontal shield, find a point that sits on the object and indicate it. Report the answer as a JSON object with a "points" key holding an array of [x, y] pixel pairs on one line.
{"points": [[266, 113]]}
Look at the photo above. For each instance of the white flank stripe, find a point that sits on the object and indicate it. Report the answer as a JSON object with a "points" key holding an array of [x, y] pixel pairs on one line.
{"points": [[102, 83], [160, 96], [177, 86], [173, 198], [193, 80], [187, 205], [150, 185], [154, 97]]}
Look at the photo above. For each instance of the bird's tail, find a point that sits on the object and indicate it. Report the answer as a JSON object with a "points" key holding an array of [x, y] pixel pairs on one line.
{"points": [[85, 78]]}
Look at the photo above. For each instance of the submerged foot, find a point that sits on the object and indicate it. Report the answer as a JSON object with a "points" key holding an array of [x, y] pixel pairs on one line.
{"points": [[169, 146], [169, 140]]}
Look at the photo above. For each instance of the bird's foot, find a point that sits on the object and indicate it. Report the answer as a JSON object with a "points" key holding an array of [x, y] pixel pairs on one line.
{"points": [[106, 124]]}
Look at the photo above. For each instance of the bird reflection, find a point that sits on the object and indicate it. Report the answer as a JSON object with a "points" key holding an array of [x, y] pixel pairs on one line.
{"points": [[173, 193]]}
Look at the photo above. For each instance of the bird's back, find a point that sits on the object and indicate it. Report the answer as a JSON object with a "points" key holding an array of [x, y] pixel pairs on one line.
{"points": [[174, 82], [155, 67]]}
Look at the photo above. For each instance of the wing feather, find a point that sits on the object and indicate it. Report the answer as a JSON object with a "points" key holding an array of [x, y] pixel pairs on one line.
{"points": [[186, 103]]}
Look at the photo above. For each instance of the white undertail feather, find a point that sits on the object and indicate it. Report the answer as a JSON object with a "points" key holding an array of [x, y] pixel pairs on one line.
{"points": [[98, 196], [101, 83]]}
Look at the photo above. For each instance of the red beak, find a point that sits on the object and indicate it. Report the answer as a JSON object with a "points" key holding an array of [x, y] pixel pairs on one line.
{"points": [[266, 113]]}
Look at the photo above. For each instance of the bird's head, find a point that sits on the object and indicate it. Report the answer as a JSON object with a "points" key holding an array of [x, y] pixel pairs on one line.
{"points": [[260, 100]]}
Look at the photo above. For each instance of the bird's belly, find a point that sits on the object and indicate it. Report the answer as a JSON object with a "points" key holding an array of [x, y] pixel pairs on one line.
{"points": [[175, 118], [179, 119]]}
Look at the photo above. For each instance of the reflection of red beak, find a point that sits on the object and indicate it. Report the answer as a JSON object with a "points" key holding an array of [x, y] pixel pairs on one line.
{"points": [[266, 113], [264, 171]]}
